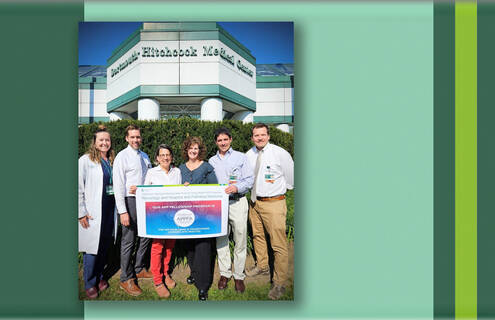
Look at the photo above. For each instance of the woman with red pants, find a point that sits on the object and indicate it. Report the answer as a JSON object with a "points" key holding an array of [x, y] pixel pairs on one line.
{"points": [[161, 249]]}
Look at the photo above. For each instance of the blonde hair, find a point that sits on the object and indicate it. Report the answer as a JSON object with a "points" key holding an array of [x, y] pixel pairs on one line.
{"points": [[93, 153]]}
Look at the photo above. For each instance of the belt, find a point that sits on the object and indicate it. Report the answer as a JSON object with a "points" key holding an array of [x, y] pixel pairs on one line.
{"points": [[236, 196], [279, 197]]}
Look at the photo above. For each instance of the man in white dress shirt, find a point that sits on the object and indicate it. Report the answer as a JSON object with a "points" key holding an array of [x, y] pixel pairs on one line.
{"points": [[273, 175], [129, 170]]}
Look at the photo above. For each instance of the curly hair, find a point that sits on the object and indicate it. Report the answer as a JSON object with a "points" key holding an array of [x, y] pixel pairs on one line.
{"points": [[192, 141], [93, 153]]}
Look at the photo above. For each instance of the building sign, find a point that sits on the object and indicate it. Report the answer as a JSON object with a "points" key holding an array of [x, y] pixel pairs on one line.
{"points": [[133, 57], [190, 51]]}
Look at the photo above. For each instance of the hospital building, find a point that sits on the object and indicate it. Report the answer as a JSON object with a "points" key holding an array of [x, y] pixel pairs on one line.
{"points": [[186, 69]]}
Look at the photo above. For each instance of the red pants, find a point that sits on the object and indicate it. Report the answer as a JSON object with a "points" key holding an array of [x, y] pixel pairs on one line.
{"points": [[161, 251]]}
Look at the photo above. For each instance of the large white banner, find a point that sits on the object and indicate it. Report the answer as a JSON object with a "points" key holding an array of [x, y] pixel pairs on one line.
{"points": [[179, 212]]}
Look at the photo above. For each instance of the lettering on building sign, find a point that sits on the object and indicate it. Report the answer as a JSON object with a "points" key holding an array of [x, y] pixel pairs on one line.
{"points": [[154, 52], [210, 51], [244, 69], [133, 57], [166, 52]]}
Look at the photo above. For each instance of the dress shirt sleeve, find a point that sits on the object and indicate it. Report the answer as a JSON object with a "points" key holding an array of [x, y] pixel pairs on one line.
{"points": [[83, 170], [119, 184], [247, 176], [287, 167], [211, 177]]}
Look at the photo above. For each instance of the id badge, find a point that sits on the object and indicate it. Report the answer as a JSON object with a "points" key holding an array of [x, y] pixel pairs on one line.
{"points": [[232, 179], [109, 189], [269, 178]]}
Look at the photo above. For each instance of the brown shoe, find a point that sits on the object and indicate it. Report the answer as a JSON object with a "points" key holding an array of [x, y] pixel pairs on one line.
{"points": [[255, 271], [162, 291], [239, 285], [131, 287], [222, 283], [143, 274], [276, 292], [169, 282]]}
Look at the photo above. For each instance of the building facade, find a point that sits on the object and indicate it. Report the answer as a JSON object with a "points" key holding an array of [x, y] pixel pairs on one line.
{"points": [[193, 69]]}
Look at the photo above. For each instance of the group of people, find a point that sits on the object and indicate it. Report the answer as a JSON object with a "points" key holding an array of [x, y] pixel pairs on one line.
{"points": [[107, 189]]}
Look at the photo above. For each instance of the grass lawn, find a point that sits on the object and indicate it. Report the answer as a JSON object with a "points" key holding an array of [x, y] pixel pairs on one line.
{"points": [[256, 287]]}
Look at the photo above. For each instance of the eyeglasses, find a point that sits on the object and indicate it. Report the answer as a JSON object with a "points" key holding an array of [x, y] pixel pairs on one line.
{"points": [[163, 155]]}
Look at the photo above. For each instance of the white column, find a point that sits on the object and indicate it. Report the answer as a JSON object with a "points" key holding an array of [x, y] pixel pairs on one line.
{"points": [[284, 127], [211, 109], [117, 115], [244, 116], [148, 109]]}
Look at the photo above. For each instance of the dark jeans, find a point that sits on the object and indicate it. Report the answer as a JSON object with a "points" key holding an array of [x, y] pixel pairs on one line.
{"points": [[129, 235]]}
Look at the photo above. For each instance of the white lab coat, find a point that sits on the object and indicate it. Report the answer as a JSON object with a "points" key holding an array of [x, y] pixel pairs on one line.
{"points": [[90, 196]]}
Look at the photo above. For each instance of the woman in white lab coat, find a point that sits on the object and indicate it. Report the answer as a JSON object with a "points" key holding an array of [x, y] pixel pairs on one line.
{"points": [[97, 218]]}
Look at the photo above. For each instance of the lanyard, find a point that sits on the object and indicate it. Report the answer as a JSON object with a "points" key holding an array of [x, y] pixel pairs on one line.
{"points": [[107, 168]]}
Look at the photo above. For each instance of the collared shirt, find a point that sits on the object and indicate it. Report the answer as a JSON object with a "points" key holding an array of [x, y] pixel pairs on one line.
{"points": [[158, 176], [276, 172], [129, 169], [233, 168]]}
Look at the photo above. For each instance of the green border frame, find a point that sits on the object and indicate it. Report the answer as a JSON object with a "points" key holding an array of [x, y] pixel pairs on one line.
{"points": [[39, 196]]}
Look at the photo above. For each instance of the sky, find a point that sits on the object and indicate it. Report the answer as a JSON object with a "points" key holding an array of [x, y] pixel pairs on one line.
{"points": [[269, 42]]}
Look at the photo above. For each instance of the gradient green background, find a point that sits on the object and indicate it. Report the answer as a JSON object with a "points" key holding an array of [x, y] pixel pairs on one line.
{"points": [[364, 158]]}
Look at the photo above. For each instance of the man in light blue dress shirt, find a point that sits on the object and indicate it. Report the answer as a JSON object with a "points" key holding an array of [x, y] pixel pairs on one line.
{"points": [[232, 168]]}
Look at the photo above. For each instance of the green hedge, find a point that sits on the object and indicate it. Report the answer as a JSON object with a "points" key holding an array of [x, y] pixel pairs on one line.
{"points": [[174, 131]]}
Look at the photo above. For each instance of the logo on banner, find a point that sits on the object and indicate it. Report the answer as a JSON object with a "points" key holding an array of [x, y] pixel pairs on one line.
{"points": [[184, 218]]}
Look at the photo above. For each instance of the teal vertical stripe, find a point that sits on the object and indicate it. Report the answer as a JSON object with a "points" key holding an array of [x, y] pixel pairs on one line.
{"points": [[39, 162], [465, 159], [486, 160], [444, 212]]}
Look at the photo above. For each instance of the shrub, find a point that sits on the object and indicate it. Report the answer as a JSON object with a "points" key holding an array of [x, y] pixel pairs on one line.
{"points": [[174, 131]]}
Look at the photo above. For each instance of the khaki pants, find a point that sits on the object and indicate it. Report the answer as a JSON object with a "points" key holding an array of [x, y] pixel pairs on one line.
{"points": [[238, 211], [269, 217]]}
